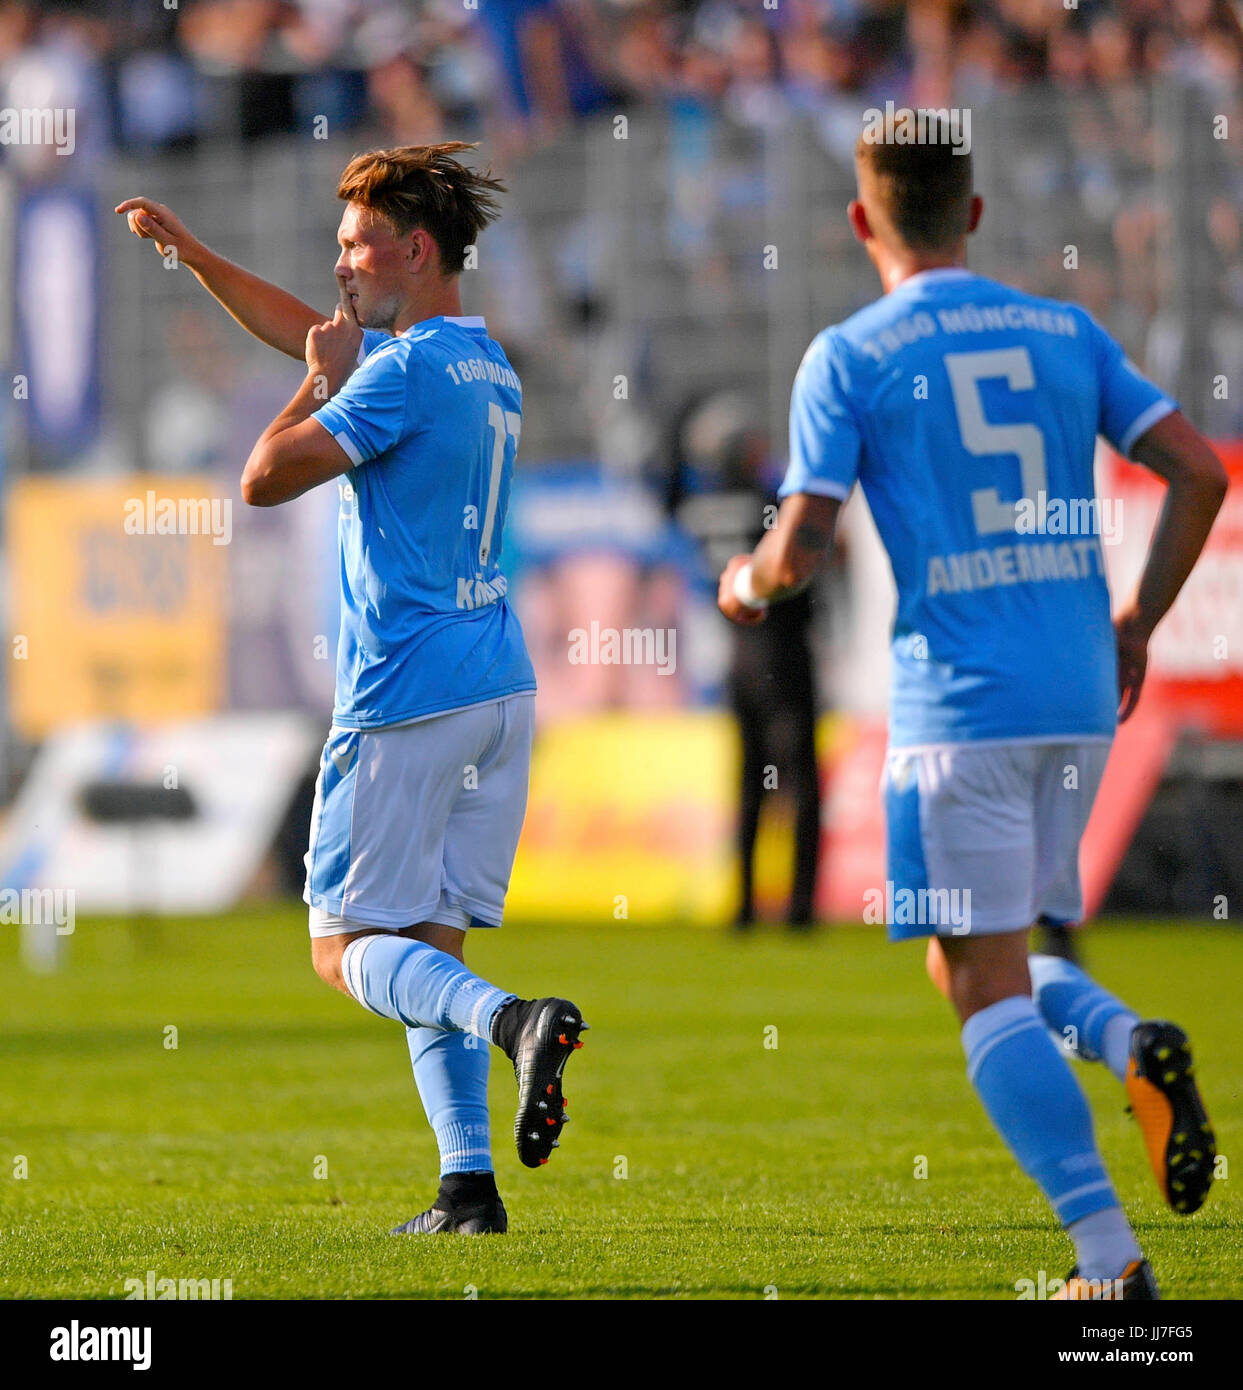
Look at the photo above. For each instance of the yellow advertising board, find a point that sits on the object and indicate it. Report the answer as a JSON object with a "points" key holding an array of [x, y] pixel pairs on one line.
{"points": [[630, 818], [633, 816], [118, 599]]}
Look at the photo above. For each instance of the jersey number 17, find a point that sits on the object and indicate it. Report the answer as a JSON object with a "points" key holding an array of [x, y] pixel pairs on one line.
{"points": [[504, 424]]}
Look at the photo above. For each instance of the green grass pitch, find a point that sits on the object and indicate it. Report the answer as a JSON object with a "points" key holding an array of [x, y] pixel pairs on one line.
{"points": [[749, 1117]]}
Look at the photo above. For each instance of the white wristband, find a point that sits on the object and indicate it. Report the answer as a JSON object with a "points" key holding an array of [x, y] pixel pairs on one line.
{"points": [[744, 590]]}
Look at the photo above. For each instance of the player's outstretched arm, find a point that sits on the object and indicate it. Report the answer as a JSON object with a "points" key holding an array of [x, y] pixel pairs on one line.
{"points": [[1175, 450], [784, 562], [275, 317]]}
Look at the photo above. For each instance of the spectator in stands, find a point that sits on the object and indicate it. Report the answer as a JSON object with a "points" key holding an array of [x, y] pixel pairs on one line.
{"points": [[546, 57], [53, 58]]}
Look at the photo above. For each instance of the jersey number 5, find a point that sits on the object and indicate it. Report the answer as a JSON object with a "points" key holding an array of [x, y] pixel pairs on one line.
{"points": [[966, 371], [503, 424]]}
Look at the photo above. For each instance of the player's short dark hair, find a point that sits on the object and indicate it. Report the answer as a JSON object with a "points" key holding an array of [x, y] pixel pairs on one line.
{"points": [[425, 186], [925, 189]]}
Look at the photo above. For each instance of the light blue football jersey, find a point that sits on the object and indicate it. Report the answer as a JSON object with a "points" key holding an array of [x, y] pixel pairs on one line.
{"points": [[430, 420], [968, 413]]}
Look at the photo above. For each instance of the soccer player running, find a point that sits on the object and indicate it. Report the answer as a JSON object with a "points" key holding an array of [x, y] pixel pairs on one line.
{"points": [[966, 409], [423, 782]]}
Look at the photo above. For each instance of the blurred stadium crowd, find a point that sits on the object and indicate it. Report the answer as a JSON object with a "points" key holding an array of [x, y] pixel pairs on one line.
{"points": [[146, 77], [744, 118]]}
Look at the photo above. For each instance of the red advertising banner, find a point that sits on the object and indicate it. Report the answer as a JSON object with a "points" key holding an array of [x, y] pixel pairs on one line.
{"points": [[1196, 657]]}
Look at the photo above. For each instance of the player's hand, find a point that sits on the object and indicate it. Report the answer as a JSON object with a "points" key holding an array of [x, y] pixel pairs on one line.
{"points": [[1132, 637], [155, 222], [332, 347], [727, 599]]}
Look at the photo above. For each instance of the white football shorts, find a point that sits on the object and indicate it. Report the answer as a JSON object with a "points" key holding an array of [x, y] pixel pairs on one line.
{"points": [[420, 822], [984, 837]]}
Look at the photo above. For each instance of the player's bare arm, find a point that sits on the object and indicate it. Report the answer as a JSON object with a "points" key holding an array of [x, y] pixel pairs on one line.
{"points": [[265, 310], [1177, 452], [296, 453], [784, 562]]}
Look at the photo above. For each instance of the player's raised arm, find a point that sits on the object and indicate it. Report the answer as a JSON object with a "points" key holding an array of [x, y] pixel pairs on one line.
{"points": [[1175, 450], [784, 562], [274, 316]]}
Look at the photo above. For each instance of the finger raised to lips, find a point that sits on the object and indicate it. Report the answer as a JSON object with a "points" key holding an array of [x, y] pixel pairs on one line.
{"points": [[347, 304]]}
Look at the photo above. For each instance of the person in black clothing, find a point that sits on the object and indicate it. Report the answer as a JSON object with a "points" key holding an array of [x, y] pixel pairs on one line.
{"points": [[772, 694], [718, 494]]}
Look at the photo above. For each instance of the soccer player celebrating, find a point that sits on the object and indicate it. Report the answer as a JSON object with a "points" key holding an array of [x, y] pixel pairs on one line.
{"points": [[967, 411], [423, 782]]}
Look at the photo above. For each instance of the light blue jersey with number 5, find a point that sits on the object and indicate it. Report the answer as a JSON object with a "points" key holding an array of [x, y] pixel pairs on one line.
{"points": [[430, 420], [968, 412]]}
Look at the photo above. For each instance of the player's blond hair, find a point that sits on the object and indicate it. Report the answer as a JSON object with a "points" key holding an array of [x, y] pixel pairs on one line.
{"points": [[425, 186]]}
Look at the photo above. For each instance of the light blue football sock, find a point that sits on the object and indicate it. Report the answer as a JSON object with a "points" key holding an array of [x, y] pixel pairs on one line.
{"points": [[414, 983], [1104, 1244], [451, 1072], [1037, 1106], [1086, 1019]]}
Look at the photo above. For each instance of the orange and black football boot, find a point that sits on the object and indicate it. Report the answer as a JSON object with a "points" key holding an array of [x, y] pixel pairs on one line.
{"points": [[1136, 1284], [1165, 1100]]}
